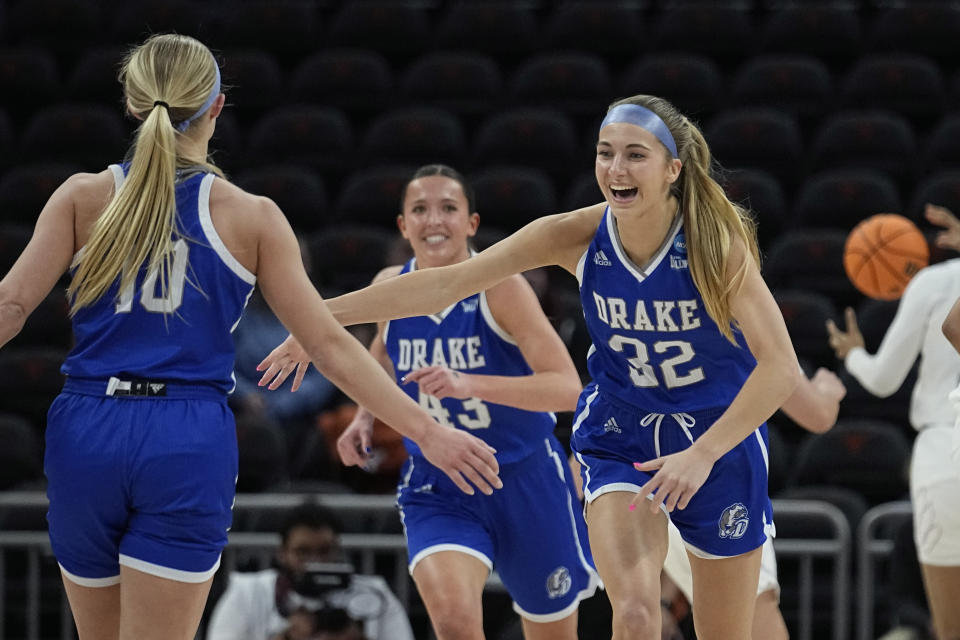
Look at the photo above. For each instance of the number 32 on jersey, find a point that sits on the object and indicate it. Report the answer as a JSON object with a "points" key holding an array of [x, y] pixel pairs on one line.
{"points": [[643, 374]]}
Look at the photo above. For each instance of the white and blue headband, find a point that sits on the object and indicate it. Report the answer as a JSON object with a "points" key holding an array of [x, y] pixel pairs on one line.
{"points": [[645, 119]]}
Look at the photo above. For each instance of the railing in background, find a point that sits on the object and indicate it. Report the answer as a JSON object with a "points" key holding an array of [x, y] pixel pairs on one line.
{"points": [[870, 549], [365, 548]]}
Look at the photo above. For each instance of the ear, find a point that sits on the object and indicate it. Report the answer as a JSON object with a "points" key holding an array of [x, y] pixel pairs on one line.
{"points": [[217, 106], [473, 222], [674, 165], [402, 225]]}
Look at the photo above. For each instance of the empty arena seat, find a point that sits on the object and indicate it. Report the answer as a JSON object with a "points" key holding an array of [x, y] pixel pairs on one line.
{"points": [[841, 198], [298, 191], [355, 79], [540, 138], [320, 137], [757, 138], [690, 81], [464, 82], [573, 82], [90, 136], [415, 135]]}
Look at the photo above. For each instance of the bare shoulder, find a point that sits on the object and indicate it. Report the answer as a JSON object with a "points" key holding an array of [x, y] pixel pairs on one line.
{"points": [[243, 206], [90, 193], [244, 220], [569, 234]]}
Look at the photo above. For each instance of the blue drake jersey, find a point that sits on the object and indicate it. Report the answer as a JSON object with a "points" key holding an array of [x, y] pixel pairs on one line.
{"points": [[184, 336], [466, 337], [654, 344]]}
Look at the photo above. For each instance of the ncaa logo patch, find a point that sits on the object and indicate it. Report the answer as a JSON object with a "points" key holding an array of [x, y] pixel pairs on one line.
{"points": [[680, 243], [734, 521], [559, 583]]}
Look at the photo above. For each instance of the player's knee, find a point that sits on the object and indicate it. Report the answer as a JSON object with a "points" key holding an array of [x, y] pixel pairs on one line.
{"points": [[452, 621], [636, 618]]}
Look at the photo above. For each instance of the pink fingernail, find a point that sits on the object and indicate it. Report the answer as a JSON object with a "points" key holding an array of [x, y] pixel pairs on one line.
{"points": [[636, 465], [632, 507]]}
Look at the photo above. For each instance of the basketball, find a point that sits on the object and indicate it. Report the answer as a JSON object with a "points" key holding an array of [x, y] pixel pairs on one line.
{"points": [[882, 253]]}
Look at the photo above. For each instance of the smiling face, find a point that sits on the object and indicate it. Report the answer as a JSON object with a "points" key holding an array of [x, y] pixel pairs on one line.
{"points": [[437, 221], [633, 168]]}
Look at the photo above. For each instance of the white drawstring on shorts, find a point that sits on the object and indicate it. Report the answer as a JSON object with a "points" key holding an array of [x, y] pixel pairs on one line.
{"points": [[685, 420]]}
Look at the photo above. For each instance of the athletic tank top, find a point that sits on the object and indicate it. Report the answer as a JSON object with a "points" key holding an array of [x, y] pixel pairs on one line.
{"points": [[466, 337], [183, 336], [654, 345]]}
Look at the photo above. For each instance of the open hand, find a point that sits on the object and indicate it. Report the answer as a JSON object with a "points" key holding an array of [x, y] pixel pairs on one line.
{"points": [[949, 238], [843, 341], [286, 358]]}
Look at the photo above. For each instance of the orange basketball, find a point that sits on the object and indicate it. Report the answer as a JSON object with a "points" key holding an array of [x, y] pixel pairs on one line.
{"points": [[882, 253]]}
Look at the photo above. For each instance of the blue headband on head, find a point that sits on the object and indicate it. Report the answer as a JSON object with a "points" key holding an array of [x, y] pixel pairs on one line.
{"points": [[206, 105], [645, 119]]}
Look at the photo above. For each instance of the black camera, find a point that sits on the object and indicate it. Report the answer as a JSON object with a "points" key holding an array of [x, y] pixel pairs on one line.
{"points": [[317, 578]]}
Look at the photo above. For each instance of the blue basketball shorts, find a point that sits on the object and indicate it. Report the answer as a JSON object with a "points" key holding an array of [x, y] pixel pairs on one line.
{"points": [[531, 531], [144, 482], [731, 513]]}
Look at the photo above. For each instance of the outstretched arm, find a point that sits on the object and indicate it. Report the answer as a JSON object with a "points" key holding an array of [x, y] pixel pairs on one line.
{"points": [[552, 240]]}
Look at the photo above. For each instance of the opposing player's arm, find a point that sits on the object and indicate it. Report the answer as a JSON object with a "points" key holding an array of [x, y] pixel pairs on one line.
{"points": [[343, 360], [46, 257], [554, 384], [777, 373], [883, 372], [557, 239]]}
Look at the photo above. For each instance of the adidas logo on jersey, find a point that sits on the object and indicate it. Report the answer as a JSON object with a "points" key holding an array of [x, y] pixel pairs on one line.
{"points": [[600, 258], [611, 425]]}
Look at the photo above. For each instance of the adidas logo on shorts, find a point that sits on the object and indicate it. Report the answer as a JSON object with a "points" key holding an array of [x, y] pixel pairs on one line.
{"points": [[600, 258], [611, 425]]}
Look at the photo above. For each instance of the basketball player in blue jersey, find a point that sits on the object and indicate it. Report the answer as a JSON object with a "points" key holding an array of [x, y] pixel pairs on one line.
{"points": [[491, 364], [690, 357], [141, 452]]}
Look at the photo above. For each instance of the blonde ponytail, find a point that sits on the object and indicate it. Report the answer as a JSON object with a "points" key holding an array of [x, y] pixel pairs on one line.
{"points": [[712, 223], [166, 80]]}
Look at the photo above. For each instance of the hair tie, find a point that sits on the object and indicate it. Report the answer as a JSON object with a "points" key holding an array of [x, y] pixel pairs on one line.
{"points": [[161, 103]]}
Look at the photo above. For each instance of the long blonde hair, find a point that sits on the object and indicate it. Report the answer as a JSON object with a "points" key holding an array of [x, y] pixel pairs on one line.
{"points": [[711, 221], [165, 81]]}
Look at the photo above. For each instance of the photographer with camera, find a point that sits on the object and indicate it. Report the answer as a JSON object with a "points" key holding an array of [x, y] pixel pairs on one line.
{"points": [[311, 594]]}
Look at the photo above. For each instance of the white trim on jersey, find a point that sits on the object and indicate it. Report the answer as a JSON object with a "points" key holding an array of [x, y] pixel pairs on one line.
{"points": [[118, 177], [216, 242], [193, 577], [641, 273], [581, 264], [487, 314]]}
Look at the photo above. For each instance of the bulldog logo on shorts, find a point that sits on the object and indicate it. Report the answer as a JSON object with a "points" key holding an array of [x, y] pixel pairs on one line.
{"points": [[559, 583], [733, 521]]}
